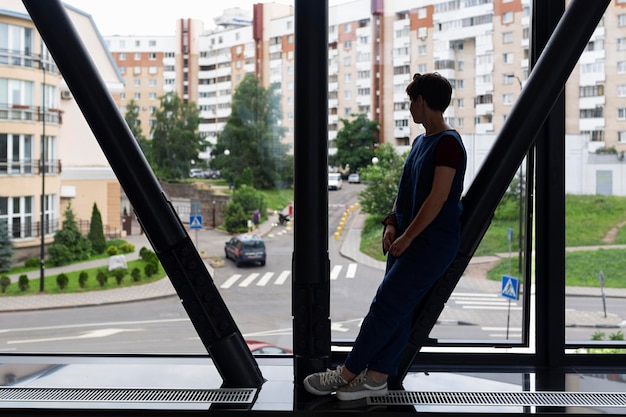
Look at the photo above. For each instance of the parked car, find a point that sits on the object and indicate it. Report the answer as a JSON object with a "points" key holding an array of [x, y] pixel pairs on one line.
{"points": [[245, 249], [196, 173], [334, 181], [258, 347], [354, 178]]}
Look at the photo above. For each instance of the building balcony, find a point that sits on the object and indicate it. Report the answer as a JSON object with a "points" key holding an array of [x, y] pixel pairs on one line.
{"points": [[29, 167]]}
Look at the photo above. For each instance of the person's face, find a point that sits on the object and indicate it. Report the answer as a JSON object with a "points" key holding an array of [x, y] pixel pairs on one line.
{"points": [[416, 109]]}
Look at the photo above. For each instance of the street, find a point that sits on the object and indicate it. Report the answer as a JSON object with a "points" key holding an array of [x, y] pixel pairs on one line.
{"points": [[259, 298]]}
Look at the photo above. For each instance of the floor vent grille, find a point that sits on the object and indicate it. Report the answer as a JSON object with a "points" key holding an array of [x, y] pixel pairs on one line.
{"points": [[553, 399], [226, 395]]}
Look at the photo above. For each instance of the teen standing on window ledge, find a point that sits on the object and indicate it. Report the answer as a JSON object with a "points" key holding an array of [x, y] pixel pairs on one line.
{"points": [[422, 236]]}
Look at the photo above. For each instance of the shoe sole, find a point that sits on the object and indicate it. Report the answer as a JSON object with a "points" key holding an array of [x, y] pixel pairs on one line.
{"points": [[357, 395], [313, 390]]}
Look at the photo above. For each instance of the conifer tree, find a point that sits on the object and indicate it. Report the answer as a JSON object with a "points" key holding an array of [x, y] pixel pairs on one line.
{"points": [[6, 248], [96, 231]]}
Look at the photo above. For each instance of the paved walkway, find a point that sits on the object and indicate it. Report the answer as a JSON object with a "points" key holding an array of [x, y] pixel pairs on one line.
{"points": [[212, 242]]}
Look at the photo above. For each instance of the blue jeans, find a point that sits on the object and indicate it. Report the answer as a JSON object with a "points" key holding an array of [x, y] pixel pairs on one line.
{"points": [[386, 328]]}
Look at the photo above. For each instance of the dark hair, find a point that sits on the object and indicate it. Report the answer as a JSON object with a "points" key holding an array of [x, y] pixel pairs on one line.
{"points": [[435, 89]]}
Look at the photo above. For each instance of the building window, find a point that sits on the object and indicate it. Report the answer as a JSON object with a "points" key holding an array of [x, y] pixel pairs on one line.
{"points": [[507, 58], [347, 27], [507, 99], [137, 82], [152, 56], [122, 56], [17, 214], [507, 17], [621, 113], [136, 70], [137, 56], [621, 136], [507, 37]]}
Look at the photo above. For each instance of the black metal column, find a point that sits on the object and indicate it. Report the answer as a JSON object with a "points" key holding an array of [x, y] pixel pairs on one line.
{"points": [[192, 281], [541, 91], [311, 265], [550, 215]]}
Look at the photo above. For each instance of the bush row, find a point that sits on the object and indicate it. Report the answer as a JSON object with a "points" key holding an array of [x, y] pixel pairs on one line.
{"points": [[102, 274]]}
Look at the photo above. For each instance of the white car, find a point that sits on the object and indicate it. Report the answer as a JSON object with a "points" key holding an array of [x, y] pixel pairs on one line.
{"points": [[354, 178], [334, 181]]}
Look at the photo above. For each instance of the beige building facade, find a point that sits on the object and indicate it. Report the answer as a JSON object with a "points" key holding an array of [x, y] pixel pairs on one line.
{"points": [[40, 121]]}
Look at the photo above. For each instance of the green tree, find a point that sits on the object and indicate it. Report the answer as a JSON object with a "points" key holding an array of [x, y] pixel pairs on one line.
{"points": [[69, 243], [355, 143], [6, 247], [175, 139], [132, 120], [252, 136], [96, 231], [239, 210], [381, 181]]}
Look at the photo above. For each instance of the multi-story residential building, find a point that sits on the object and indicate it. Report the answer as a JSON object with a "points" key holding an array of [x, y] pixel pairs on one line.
{"points": [[482, 46], [48, 156]]}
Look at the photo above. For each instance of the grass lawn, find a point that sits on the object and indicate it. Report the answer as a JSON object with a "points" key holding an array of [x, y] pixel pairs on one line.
{"points": [[588, 221], [51, 287]]}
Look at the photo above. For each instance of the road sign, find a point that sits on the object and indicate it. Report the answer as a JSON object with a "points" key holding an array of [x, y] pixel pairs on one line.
{"points": [[510, 287], [195, 222]]}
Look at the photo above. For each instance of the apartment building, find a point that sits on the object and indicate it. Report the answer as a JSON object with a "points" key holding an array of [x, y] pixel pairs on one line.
{"points": [[48, 156], [482, 46]]}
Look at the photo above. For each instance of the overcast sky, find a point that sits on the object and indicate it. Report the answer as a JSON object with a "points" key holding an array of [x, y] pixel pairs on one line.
{"points": [[150, 17]]}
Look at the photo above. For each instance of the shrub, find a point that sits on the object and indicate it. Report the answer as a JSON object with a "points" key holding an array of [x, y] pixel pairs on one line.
{"points": [[126, 247], [112, 250], [151, 269], [22, 283], [102, 278], [142, 252], [119, 274], [82, 279], [32, 262], [135, 274], [62, 281], [69, 243], [4, 283]]}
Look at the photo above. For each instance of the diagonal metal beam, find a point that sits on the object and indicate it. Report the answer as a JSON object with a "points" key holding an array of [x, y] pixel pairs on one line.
{"points": [[541, 91], [192, 281]]}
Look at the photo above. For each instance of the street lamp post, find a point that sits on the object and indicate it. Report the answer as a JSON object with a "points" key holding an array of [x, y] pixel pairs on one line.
{"points": [[521, 197], [42, 162]]}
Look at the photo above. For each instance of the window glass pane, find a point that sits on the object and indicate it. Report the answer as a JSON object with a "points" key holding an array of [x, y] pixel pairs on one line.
{"points": [[595, 198]]}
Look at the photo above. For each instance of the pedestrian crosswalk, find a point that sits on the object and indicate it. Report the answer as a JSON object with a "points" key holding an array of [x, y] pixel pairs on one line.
{"points": [[262, 279]]}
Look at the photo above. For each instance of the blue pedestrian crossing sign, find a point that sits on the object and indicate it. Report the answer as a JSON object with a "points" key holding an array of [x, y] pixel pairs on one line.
{"points": [[510, 287], [195, 222]]}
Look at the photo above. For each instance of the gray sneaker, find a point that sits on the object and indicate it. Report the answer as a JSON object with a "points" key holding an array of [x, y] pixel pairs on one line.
{"points": [[323, 383], [361, 387]]}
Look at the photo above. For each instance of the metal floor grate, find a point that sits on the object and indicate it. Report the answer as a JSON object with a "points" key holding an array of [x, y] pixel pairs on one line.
{"points": [[553, 399], [227, 395]]}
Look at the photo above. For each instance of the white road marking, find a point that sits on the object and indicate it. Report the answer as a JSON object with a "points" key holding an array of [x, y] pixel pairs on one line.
{"points": [[265, 279], [351, 272], [88, 335], [230, 281], [282, 278], [334, 273], [248, 280]]}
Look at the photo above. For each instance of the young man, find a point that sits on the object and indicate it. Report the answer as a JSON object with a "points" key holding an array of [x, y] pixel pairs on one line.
{"points": [[422, 236]]}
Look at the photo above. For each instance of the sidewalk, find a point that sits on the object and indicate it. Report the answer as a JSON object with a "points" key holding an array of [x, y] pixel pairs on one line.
{"points": [[212, 242]]}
